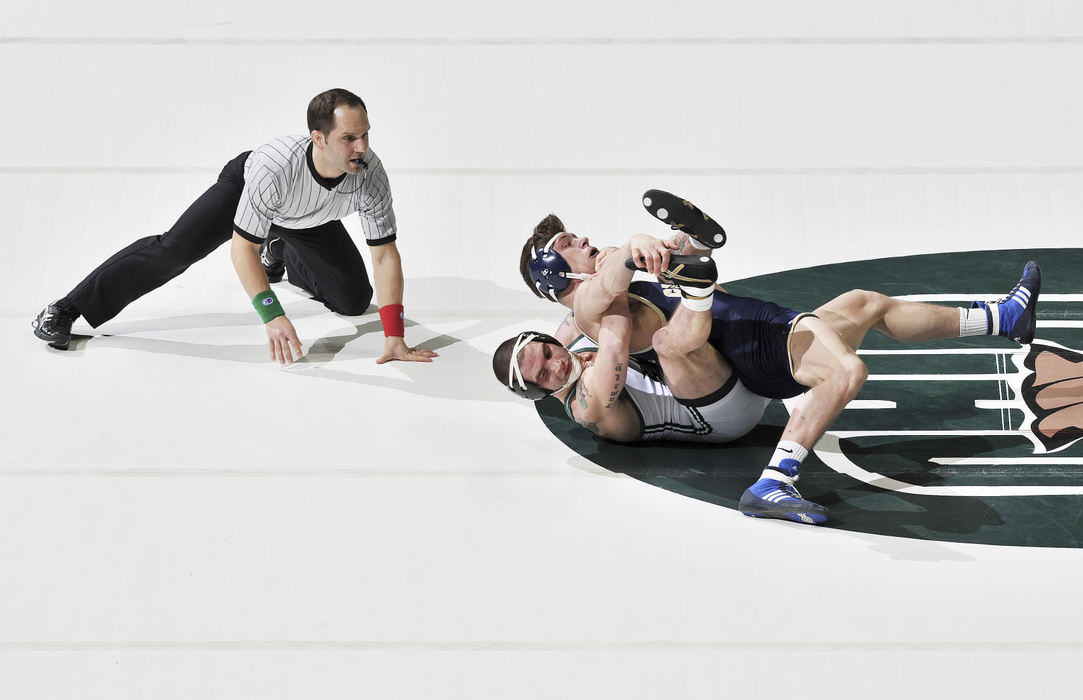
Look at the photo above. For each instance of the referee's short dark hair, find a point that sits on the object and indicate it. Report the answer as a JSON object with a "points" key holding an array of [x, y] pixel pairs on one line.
{"points": [[321, 110]]}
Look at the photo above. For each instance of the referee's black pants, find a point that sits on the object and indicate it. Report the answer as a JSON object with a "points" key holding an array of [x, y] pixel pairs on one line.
{"points": [[323, 260]]}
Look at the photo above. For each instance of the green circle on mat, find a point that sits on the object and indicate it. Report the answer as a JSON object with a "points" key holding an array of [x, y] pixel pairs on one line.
{"points": [[964, 440]]}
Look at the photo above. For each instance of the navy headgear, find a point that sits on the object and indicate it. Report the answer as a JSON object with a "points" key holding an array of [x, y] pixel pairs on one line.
{"points": [[550, 272]]}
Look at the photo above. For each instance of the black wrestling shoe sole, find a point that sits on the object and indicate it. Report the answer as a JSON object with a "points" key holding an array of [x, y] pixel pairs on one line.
{"points": [[682, 215]]}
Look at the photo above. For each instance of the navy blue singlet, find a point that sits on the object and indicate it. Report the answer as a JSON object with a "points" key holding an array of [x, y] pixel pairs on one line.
{"points": [[751, 334]]}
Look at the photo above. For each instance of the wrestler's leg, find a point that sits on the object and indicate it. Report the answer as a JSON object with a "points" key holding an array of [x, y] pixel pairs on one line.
{"points": [[692, 367], [831, 369], [853, 314], [823, 361], [856, 312], [701, 379]]}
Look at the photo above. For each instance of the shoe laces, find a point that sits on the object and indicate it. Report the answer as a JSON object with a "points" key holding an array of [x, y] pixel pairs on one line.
{"points": [[675, 275], [1007, 297], [790, 490], [266, 256], [57, 313]]}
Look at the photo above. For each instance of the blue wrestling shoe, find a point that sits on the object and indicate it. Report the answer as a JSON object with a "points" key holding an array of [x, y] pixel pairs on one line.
{"points": [[684, 216], [1015, 315], [770, 498]]}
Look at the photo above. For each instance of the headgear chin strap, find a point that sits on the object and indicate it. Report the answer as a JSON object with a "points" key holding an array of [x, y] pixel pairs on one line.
{"points": [[577, 369], [550, 272], [519, 385]]}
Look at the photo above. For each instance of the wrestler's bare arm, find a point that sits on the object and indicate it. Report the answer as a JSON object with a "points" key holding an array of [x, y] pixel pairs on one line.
{"points": [[597, 405], [594, 296], [567, 331]]}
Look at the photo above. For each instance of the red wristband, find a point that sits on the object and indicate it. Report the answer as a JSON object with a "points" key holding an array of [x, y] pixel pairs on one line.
{"points": [[391, 316]]}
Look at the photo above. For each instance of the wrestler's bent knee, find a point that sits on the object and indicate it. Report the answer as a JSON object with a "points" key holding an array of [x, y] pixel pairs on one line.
{"points": [[660, 342], [872, 303], [856, 372]]}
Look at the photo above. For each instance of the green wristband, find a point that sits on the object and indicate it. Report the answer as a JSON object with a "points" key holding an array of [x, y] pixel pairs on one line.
{"points": [[267, 306]]}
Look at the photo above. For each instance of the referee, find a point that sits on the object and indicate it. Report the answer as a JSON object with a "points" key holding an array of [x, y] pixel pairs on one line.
{"points": [[281, 207]]}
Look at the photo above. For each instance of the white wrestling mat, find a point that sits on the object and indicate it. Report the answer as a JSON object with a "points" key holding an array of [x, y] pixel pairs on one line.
{"points": [[180, 518]]}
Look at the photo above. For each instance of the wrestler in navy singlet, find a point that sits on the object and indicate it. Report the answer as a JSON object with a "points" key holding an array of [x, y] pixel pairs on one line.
{"points": [[752, 334]]}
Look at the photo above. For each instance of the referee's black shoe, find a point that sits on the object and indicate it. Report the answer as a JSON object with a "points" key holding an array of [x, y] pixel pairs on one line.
{"points": [[684, 216], [53, 325], [273, 265]]}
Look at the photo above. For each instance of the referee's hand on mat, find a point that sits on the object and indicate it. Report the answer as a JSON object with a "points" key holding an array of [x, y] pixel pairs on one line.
{"points": [[395, 349], [285, 345]]}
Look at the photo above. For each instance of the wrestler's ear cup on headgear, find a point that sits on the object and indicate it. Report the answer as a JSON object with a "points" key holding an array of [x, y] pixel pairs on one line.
{"points": [[550, 272], [684, 216]]}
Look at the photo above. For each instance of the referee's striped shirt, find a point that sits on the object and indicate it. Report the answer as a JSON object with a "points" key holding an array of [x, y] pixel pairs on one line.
{"points": [[282, 187]]}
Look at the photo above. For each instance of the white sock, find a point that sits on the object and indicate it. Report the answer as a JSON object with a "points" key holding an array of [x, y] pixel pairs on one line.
{"points": [[791, 452], [696, 244], [703, 304], [976, 321]]}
